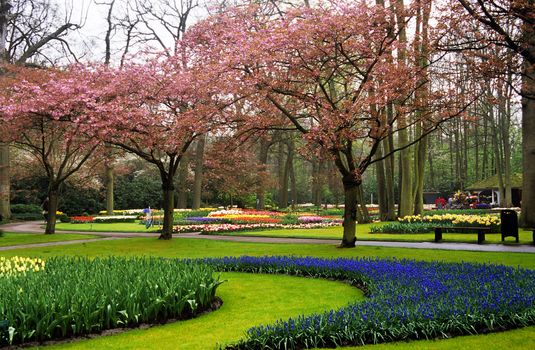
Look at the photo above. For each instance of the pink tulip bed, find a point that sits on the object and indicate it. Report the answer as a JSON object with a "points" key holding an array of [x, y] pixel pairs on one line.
{"points": [[223, 221]]}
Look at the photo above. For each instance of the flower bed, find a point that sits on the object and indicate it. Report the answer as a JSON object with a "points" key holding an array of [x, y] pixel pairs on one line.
{"points": [[81, 219], [225, 228], [241, 216], [77, 296], [426, 223], [406, 300], [115, 218]]}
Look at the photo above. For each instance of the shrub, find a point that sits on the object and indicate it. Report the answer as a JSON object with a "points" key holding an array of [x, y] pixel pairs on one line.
{"points": [[290, 219], [63, 218], [26, 208], [27, 216], [77, 296], [26, 212], [1, 233]]}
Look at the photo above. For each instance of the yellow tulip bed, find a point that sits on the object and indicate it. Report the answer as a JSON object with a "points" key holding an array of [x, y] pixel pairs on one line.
{"points": [[425, 223], [16, 266]]}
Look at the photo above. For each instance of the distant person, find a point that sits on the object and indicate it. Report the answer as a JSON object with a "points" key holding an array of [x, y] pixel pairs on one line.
{"points": [[45, 206], [148, 217]]}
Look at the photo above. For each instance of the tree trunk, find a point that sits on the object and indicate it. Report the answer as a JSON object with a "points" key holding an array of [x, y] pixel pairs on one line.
{"points": [[182, 183], [293, 187], [109, 189], [5, 183], [350, 213], [280, 172], [528, 136], [363, 216], [406, 193], [389, 170], [261, 190], [316, 182], [197, 183], [53, 201], [289, 173], [168, 205], [381, 191], [420, 152]]}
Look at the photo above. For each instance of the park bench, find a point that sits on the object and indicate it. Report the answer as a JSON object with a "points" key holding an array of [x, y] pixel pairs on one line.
{"points": [[481, 231], [509, 228]]}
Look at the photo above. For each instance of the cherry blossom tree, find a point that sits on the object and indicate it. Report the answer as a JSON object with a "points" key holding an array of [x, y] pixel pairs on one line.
{"points": [[330, 73], [156, 110], [39, 112]]}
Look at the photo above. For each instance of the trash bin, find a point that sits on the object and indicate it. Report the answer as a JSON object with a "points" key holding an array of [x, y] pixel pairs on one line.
{"points": [[509, 225]]}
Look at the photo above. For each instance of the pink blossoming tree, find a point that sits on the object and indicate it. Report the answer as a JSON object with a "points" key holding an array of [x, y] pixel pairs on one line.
{"points": [[39, 112], [156, 110], [338, 73]]}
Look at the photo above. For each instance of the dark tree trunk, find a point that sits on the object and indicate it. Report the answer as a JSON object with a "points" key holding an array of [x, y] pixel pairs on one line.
{"points": [[5, 182], [168, 206], [168, 188], [261, 190], [363, 216], [350, 213], [182, 183], [109, 189], [197, 183], [286, 175], [53, 201], [381, 190], [528, 138]]}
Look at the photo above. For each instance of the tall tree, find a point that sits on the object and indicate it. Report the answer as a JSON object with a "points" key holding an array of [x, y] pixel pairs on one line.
{"points": [[512, 24], [40, 114], [312, 65], [5, 185], [169, 103], [30, 30]]}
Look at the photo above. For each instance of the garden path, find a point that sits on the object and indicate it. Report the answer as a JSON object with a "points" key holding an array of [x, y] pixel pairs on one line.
{"points": [[35, 227]]}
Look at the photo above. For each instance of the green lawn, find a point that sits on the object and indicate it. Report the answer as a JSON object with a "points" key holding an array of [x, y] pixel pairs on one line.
{"points": [[363, 234], [106, 227], [10, 239], [240, 296]]}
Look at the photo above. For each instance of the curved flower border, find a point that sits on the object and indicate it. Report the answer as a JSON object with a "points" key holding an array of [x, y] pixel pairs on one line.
{"points": [[406, 300]]}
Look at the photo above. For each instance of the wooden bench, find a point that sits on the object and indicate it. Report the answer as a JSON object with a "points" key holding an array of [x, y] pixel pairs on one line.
{"points": [[481, 230]]}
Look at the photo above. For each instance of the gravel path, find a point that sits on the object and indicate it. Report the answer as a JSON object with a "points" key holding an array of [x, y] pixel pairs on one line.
{"points": [[35, 227]]}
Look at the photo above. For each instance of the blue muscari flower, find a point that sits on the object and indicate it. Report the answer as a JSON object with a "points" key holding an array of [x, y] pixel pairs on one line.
{"points": [[401, 291]]}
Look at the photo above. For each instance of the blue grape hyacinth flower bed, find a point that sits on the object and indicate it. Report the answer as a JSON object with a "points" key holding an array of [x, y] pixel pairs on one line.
{"points": [[406, 300]]}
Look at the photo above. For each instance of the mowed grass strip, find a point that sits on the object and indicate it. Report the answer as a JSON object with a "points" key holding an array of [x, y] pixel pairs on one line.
{"points": [[107, 227], [11, 239], [333, 232], [363, 234], [248, 300]]}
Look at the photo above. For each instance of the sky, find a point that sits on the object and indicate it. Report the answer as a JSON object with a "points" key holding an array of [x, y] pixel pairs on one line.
{"points": [[91, 14]]}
